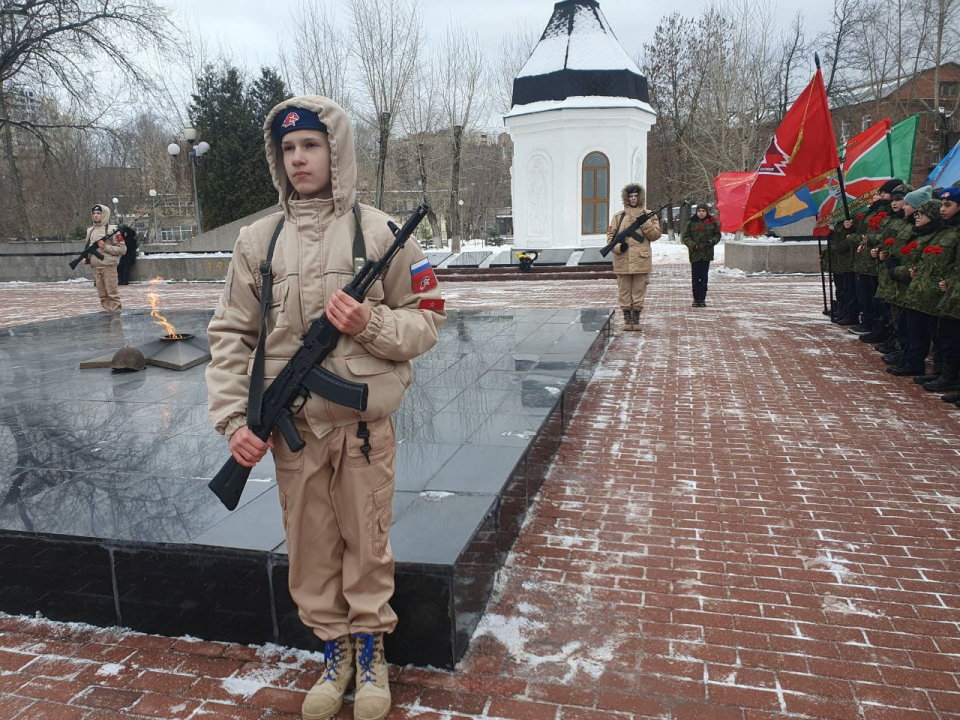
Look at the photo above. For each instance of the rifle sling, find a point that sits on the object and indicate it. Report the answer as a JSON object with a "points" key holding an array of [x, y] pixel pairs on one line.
{"points": [[255, 394]]}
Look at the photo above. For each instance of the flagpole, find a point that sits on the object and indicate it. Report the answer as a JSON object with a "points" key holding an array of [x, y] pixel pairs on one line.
{"points": [[890, 152], [846, 210]]}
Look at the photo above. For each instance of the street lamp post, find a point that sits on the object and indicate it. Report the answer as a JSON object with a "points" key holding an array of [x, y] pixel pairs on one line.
{"points": [[116, 213], [197, 151], [153, 211]]}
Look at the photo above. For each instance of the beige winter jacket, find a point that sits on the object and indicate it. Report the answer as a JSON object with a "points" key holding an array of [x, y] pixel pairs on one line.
{"points": [[113, 246], [638, 257], [312, 260]]}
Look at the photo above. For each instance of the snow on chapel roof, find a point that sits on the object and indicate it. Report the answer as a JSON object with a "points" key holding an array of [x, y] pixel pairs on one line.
{"points": [[578, 55]]}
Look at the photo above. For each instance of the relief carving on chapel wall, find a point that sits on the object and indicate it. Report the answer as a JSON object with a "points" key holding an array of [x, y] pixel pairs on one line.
{"points": [[538, 196]]}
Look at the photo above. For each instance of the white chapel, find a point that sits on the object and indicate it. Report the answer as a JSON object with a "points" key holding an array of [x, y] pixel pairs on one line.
{"points": [[579, 122]]}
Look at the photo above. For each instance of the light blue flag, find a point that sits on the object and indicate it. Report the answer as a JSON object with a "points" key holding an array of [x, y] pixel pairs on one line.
{"points": [[947, 171]]}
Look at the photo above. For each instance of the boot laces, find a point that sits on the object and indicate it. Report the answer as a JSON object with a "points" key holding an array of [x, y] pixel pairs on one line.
{"points": [[332, 656], [367, 673]]}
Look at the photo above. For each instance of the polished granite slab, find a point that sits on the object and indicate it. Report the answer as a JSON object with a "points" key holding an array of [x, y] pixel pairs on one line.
{"points": [[105, 515]]}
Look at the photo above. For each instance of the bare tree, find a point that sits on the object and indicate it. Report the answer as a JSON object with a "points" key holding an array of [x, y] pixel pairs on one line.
{"points": [[420, 120], [47, 50], [514, 51], [319, 61], [386, 39], [461, 70]]}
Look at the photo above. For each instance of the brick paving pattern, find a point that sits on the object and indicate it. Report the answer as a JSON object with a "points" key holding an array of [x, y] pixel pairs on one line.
{"points": [[747, 520]]}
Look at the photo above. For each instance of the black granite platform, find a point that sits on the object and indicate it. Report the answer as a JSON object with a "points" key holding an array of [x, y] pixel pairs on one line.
{"points": [[105, 516]]}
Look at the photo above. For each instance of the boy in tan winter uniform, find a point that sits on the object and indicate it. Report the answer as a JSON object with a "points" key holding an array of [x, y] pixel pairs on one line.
{"points": [[337, 493], [633, 259], [112, 247]]}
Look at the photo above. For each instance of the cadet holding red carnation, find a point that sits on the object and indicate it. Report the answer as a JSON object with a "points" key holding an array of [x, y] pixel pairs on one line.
{"points": [[700, 237]]}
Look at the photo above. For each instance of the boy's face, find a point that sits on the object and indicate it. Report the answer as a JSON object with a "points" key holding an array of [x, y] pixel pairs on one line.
{"points": [[702, 214], [897, 205], [884, 196], [921, 220], [306, 158], [633, 198], [949, 209], [908, 210], [97, 217]]}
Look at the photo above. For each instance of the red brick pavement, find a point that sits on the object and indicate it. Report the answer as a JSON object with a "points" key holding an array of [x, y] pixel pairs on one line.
{"points": [[747, 520]]}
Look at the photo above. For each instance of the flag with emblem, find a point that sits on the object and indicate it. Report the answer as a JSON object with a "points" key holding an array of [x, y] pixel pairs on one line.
{"points": [[802, 149], [880, 152], [422, 277]]}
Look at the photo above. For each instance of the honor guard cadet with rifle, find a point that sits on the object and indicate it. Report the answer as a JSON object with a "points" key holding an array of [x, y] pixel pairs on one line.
{"points": [[336, 485], [106, 247], [632, 258]]}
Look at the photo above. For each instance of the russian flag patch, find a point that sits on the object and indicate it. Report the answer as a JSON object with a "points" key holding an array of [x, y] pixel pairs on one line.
{"points": [[422, 278]]}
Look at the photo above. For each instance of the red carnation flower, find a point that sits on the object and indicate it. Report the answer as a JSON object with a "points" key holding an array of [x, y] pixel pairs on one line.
{"points": [[889, 241], [700, 228], [860, 216], [881, 214], [909, 248], [933, 250]]}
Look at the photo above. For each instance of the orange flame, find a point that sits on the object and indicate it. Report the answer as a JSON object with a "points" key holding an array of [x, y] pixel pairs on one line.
{"points": [[154, 299]]}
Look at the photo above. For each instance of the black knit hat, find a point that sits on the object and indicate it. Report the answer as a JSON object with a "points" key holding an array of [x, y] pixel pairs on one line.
{"points": [[96, 208], [889, 185], [704, 206]]}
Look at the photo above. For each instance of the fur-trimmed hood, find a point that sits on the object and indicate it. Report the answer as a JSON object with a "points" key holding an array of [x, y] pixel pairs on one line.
{"points": [[343, 156], [643, 195]]}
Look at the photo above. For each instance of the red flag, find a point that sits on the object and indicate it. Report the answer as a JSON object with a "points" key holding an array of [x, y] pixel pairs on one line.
{"points": [[802, 149], [732, 190]]}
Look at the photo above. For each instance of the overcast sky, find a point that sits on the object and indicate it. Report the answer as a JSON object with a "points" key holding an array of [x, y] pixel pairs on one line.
{"points": [[249, 30]]}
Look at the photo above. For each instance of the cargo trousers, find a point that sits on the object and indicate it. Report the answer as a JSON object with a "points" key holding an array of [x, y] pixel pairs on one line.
{"points": [[632, 288], [105, 278], [337, 509]]}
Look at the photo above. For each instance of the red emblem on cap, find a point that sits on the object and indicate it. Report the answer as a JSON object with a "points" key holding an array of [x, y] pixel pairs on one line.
{"points": [[290, 120]]}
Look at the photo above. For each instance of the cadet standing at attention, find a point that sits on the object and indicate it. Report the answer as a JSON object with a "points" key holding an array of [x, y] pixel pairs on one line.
{"points": [[336, 494]]}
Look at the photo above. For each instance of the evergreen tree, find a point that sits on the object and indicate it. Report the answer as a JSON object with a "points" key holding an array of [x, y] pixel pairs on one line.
{"points": [[265, 92], [224, 117]]}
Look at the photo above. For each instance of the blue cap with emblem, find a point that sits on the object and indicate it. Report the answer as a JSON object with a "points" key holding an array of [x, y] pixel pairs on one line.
{"points": [[292, 119], [951, 193]]}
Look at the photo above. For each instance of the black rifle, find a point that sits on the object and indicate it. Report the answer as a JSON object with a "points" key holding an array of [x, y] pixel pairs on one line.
{"points": [[85, 254], [302, 375], [630, 231]]}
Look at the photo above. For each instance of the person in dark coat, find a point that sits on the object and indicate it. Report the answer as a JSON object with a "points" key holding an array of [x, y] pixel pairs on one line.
{"points": [[129, 257], [700, 236]]}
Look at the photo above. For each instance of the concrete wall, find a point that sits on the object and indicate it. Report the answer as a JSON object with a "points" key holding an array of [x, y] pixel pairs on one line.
{"points": [[51, 268], [221, 239], [781, 257]]}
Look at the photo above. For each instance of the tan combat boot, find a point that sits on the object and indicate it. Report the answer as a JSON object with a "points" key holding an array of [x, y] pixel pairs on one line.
{"points": [[627, 319], [325, 698], [636, 321], [372, 701]]}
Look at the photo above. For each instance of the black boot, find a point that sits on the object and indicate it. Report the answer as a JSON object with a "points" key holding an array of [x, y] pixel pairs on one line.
{"points": [[948, 380], [892, 359], [903, 371], [927, 377], [951, 398], [888, 347]]}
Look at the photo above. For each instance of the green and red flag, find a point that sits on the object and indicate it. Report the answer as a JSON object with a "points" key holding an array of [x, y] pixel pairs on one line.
{"points": [[870, 159], [803, 149]]}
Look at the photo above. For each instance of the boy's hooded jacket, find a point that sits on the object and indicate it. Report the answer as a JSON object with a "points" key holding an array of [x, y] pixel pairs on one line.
{"points": [[313, 259], [638, 257], [113, 245]]}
